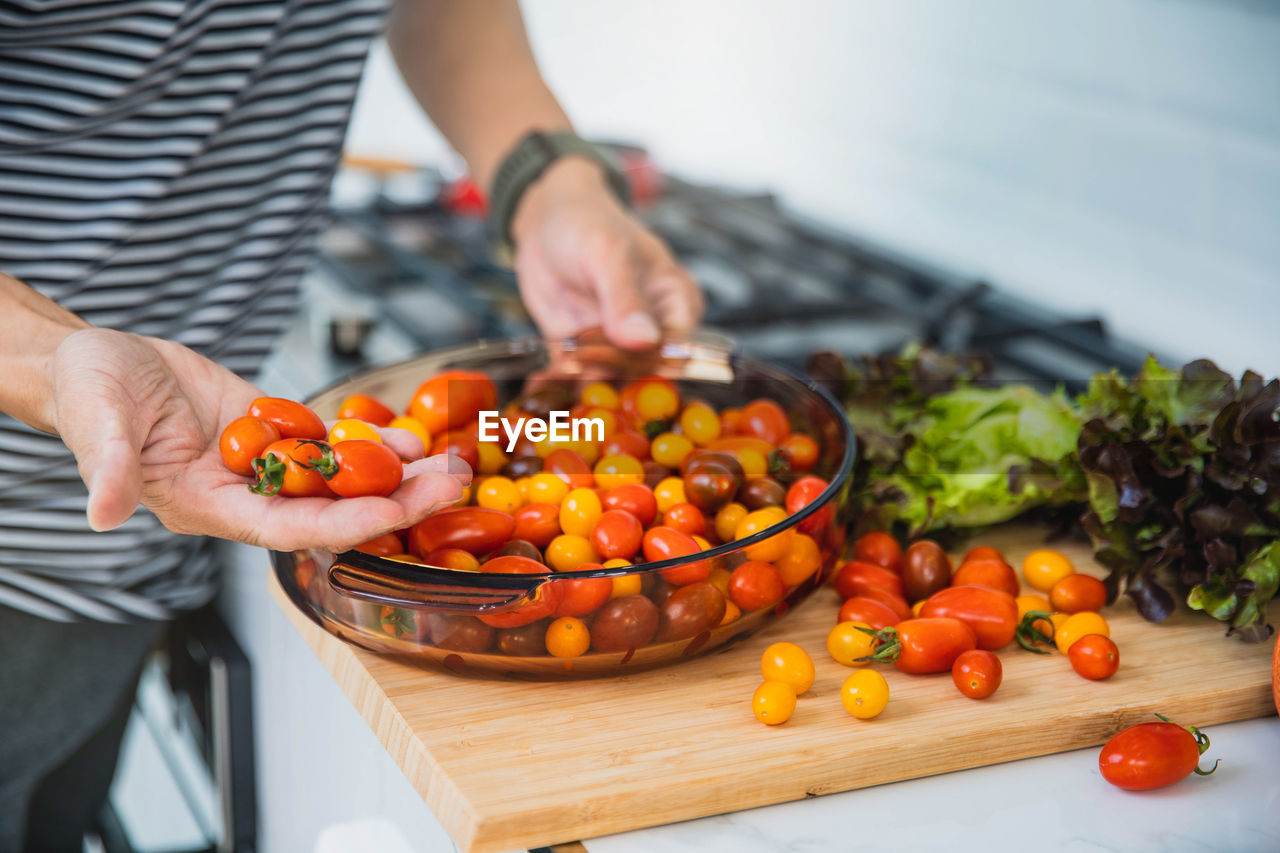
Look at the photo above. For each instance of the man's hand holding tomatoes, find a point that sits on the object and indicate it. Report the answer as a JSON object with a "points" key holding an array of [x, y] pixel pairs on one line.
{"points": [[143, 418]]}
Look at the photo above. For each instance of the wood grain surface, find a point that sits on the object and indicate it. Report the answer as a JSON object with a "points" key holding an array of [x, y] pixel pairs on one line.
{"points": [[510, 765]]}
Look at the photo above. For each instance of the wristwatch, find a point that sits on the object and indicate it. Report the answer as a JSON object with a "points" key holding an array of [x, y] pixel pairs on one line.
{"points": [[532, 156]]}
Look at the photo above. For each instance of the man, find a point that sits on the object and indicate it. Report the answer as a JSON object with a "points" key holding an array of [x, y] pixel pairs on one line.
{"points": [[164, 169]]}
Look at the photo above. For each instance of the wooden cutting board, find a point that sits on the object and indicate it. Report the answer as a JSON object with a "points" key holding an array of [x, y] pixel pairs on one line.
{"points": [[507, 765]]}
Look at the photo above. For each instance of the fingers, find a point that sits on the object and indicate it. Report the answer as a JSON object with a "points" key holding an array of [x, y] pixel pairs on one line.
{"points": [[675, 296], [406, 445], [623, 307], [111, 469]]}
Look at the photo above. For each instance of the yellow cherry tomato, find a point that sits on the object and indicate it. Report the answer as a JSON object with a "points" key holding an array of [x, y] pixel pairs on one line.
{"points": [[670, 449], [623, 584], [802, 559], [669, 492], [700, 423], [580, 512], [864, 694], [753, 462], [727, 518], [719, 578], [731, 612], [917, 607], [467, 491], [1027, 603], [414, 426], [351, 428], [1079, 625], [567, 637], [547, 488], [522, 484], [567, 551], [608, 419], [773, 703], [846, 643], [1042, 569], [491, 457], [600, 394], [656, 401], [499, 493], [618, 470], [702, 543], [788, 663], [774, 547]]}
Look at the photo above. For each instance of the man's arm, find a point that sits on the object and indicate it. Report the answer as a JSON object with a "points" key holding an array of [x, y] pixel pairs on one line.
{"points": [[581, 260], [31, 328]]}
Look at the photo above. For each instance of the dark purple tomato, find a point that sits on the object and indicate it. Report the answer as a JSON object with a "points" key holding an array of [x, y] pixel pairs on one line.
{"points": [[519, 548], [689, 611], [626, 622], [459, 632], [760, 492], [524, 641]]}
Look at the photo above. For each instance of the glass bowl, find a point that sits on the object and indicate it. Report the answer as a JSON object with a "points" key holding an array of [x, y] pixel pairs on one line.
{"points": [[429, 616]]}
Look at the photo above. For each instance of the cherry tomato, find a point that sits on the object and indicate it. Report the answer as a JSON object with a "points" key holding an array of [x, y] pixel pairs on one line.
{"points": [[365, 408], [1042, 569], [711, 479], [600, 394], [729, 420], [926, 568], [414, 426], [860, 608], [764, 419], [349, 428], [292, 420], [458, 444], [726, 520], [800, 452], [929, 644], [773, 703], [665, 543], [889, 599], [499, 492], [383, 546], [568, 637], [568, 552], [518, 548], [847, 642], [977, 673], [624, 623], [865, 694], [982, 552], [492, 459], [994, 574], [855, 577], [284, 469], [760, 492], [1078, 593], [1027, 603], [358, 468], [700, 423], [1079, 625], [459, 633], [586, 451], [452, 399], [544, 602], [580, 596], [634, 498], [243, 441], [580, 512], [650, 400], [670, 449], [538, 523], [878, 548], [774, 547], [1153, 755], [524, 641], [668, 493], [472, 529], [618, 470], [547, 488], [453, 558], [689, 611], [1094, 656], [804, 492], [626, 443], [616, 533], [992, 614], [801, 561], [788, 663], [755, 584], [686, 518]]}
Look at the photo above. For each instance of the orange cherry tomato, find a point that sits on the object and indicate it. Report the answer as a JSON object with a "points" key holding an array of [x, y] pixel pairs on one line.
{"points": [[1078, 593], [788, 663], [995, 574], [383, 546], [473, 529], [600, 394], [686, 518], [634, 498], [1094, 656], [800, 451], [801, 561], [616, 534], [766, 420], [544, 602], [878, 548], [453, 558], [284, 469], [453, 399], [666, 543], [243, 441], [977, 673], [293, 420], [727, 518], [567, 637], [862, 608], [992, 614], [538, 523], [362, 407], [931, 645], [756, 584], [855, 577], [360, 468], [982, 552], [1042, 569]]}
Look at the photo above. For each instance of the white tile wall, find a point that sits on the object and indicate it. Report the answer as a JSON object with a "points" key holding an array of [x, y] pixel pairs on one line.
{"points": [[1120, 157]]}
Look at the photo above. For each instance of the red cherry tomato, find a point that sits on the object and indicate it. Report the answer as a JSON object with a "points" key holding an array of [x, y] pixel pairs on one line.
{"points": [[243, 441], [362, 407], [580, 596], [686, 518], [855, 577], [879, 548], [756, 584], [929, 644], [458, 444], [538, 523], [875, 613], [361, 468], [983, 552], [473, 529], [283, 469], [635, 499], [544, 602], [804, 492], [384, 546], [1153, 755], [994, 574], [616, 535], [764, 419], [977, 673], [992, 614], [452, 399], [570, 467], [1094, 656], [293, 420], [889, 599], [626, 443], [1078, 594], [800, 451], [665, 543]]}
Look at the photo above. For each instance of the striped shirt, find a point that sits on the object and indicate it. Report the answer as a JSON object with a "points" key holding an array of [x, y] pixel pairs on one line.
{"points": [[164, 169]]}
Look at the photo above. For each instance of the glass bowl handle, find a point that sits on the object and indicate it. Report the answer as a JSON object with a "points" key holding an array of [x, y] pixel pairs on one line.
{"points": [[368, 578]]}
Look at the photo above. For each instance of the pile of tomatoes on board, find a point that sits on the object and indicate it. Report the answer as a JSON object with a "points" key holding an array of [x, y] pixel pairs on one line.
{"points": [[672, 477]]}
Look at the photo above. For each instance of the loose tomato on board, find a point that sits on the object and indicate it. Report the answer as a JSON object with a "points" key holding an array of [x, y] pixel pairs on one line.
{"points": [[1078, 593], [876, 547], [856, 577], [926, 568], [359, 468], [773, 703], [1079, 625], [848, 644], [924, 645], [1153, 755], [788, 663], [977, 673], [244, 440], [1043, 568], [291, 419], [982, 552], [865, 694], [992, 614], [472, 529], [544, 602], [284, 469], [875, 613], [453, 399], [994, 574], [1094, 657], [890, 599]]}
